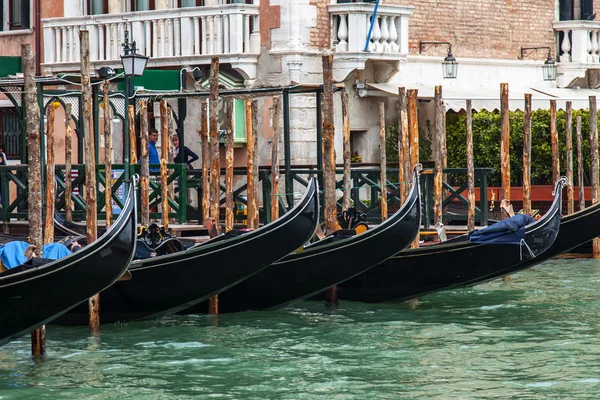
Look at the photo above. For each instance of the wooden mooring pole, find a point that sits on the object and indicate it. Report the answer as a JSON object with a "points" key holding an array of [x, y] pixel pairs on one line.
{"points": [[229, 167], [403, 158], [504, 142], [205, 161], [527, 155], [49, 228], [275, 158], [554, 140], [330, 207], [580, 163], [107, 155], [437, 149], [90, 166], [250, 192], [145, 169], [68, 150], [382, 163], [413, 134], [171, 160], [569, 133], [132, 140], [34, 195], [470, 169], [347, 151], [215, 164], [594, 163], [165, 143], [254, 114]]}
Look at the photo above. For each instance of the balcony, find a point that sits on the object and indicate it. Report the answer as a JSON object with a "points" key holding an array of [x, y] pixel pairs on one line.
{"points": [[171, 38], [579, 49], [387, 46]]}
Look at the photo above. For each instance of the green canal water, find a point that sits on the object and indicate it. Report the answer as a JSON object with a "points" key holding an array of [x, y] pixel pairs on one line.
{"points": [[535, 337]]}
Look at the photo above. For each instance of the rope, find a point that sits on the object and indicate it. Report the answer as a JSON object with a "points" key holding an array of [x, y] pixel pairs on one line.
{"points": [[524, 243]]}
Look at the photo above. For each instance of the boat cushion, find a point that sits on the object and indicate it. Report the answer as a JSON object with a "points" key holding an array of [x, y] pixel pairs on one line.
{"points": [[508, 231], [12, 254]]}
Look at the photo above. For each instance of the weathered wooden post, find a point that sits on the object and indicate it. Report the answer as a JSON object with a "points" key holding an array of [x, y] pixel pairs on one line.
{"points": [[90, 165], [34, 194], [107, 155], [330, 207], [554, 140], [68, 181], [132, 140], [250, 192], [382, 162], [215, 164], [413, 134], [49, 228], [504, 141], [229, 167], [594, 163], [403, 159], [275, 158], [437, 155], [569, 132], [580, 164], [145, 169], [205, 161], [164, 156], [347, 151], [527, 155], [254, 113], [171, 160], [470, 169]]}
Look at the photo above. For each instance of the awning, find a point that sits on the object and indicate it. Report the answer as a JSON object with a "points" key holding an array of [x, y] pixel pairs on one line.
{"points": [[485, 98]]}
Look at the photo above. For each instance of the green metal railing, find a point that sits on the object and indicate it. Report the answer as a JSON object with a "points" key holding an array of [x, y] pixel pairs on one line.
{"points": [[14, 185]]}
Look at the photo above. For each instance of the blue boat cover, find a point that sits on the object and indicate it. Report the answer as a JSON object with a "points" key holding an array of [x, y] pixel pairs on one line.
{"points": [[13, 254], [508, 231]]}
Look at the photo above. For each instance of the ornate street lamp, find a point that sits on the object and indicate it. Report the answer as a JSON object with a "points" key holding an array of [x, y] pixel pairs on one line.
{"points": [[549, 67], [449, 65], [134, 64]]}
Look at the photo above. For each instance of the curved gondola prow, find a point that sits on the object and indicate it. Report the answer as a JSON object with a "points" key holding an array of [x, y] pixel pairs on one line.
{"points": [[541, 234]]}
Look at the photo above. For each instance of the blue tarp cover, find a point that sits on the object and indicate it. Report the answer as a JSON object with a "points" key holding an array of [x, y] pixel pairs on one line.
{"points": [[13, 254], [508, 231]]}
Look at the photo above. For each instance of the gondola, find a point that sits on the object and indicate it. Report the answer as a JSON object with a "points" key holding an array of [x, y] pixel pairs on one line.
{"points": [[166, 284], [318, 267], [66, 228], [34, 294], [457, 262]]}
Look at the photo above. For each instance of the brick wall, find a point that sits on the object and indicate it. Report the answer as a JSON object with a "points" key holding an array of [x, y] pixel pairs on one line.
{"points": [[481, 28], [320, 35]]}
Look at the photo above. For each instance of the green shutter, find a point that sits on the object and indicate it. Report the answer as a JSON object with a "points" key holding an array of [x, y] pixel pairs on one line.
{"points": [[9, 66], [240, 121]]}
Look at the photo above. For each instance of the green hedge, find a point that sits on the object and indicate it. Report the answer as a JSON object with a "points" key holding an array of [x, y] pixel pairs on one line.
{"points": [[486, 144]]}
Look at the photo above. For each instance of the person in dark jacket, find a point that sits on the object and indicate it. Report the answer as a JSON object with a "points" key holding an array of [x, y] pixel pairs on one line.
{"points": [[188, 156]]}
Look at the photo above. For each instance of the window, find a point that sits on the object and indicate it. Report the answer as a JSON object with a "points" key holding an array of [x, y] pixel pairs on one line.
{"points": [[575, 9], [16, 15], [11, 134]]}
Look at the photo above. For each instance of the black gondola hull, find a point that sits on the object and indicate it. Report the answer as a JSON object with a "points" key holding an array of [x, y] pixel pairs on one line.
{"points": [[33, 297], [417, 272], [303, 274], [167, 284]]}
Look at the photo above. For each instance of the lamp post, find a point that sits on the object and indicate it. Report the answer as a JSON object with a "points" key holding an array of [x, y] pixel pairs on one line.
{"points": [[134, 64]]}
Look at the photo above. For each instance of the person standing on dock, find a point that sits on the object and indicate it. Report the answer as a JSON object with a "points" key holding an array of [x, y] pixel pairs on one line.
{"points": [[188, 156], [152, 152]]}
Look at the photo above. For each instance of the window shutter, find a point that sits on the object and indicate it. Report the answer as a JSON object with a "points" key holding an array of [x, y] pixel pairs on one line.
{"points": [[587, 9]]}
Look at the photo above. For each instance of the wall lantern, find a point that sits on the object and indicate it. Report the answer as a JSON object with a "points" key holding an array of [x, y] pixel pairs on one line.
{"points": [[134, 64], [449, 65], [549, 67]]}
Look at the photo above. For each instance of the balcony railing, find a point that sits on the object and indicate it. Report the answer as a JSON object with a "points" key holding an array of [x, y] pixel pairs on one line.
{"points": [[578, 49], [351, 23], [170, 37]]}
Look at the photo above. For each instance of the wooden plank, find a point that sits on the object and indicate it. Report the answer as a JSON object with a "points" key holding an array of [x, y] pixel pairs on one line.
{"points": [[107, 154], [49, 228], [275, 158], [347, 151], [145, 170], [413, 133], [382, 163], [569, 139], [527, 155], [34, 194], [470, 169]]}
